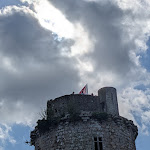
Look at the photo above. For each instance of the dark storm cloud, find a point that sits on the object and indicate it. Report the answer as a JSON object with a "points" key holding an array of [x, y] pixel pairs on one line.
{"points": [[118, 33], [38, 70], [103, 22], [33, 68], [23, 37]]}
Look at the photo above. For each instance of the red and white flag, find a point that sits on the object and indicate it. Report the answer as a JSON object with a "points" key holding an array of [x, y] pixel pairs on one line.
{"points": [[84, 90]]}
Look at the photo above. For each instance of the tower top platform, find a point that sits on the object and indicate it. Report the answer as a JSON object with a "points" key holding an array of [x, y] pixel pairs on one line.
{"points": [[105, 102]]}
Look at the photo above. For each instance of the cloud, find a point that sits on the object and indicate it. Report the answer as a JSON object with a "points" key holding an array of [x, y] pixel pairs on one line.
{"points": [[119, 33], [135, 104], [4, 136], [94, 41], [33, 68], [104, 23]]}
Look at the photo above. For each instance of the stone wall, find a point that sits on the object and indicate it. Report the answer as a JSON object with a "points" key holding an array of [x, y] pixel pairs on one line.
{"points": [[117, 134], [76, 102], [106, 101], [74, 122], [109, 96]]}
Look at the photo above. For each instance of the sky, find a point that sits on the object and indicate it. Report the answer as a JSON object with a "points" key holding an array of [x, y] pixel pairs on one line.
{"points": [[49, 48]]}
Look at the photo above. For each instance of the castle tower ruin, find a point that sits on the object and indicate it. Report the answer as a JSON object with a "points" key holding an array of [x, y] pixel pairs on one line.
{"points": [[84, 122]]}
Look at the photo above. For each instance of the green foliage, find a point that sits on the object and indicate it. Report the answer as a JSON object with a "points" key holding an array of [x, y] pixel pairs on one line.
{"points": [[44, 125], [100, 116], [50, 114], [50, 121], [43, 114], [47, 114]]}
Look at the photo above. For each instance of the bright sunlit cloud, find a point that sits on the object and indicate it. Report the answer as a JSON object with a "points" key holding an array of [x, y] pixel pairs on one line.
{"points": [[52, 19], [96, 42]]}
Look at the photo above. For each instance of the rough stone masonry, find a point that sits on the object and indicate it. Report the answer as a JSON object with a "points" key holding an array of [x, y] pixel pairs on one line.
{"points": [[84, 122]]}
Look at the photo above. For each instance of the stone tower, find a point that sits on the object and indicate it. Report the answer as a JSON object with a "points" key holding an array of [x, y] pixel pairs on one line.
{"points": [[84, 122]]}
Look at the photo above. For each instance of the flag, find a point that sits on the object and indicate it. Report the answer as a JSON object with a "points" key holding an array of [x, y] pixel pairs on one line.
{"points": [[84, 90]]}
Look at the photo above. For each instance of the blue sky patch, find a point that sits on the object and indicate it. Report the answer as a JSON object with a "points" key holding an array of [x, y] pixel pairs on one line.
{"points": [[4, 3], [20, 133], [145, 58]]}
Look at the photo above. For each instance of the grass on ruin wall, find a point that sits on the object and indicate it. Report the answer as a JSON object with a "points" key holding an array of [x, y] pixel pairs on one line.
{"points": [[44, 125], [74, 116]]}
